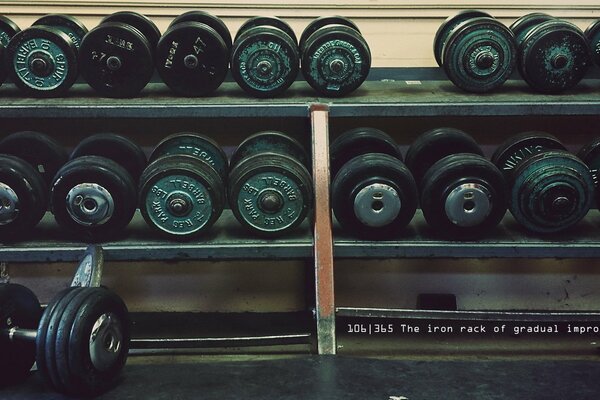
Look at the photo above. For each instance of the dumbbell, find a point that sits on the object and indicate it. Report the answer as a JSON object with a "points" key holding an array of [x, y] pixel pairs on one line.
{"points": [[592, 33], [68, 24], [265, 58], [462, 194], [117, 56], [79, 342], [269, 187], [182, 191], [335, 57], [477, 52], [550, 188], [7, 30], [42, 61], [553, 55], [374, 195], [590, 155], [28, 162], [95, 193], [192, 56]]}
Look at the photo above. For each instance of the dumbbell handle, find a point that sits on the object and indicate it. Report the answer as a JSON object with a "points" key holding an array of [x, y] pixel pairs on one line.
{"points": [[16, 333]]}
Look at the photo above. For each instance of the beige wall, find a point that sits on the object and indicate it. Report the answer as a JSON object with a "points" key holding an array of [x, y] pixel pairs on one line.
{"points": [[399, 32]]}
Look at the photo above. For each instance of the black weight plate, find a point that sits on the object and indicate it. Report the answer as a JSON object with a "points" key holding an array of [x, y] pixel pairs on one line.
{"points": [[336, 60], [269, 142], [205, 18], [264, 61], [3, 71], [359, 141], [192, 59], [448, 25], [86, 378], [436, 144], [193, 144], [267, 21], [368, 170], [42, 61], [24, 198], [116, 60], [521, 27], [321, 22], [593, 35], [66, 23], [108, 175], [20, 307], [479, 55], [8, 29], [518, 148], [44, 153], [590, 155], [438, 196], [181, 196], [114, 147], [554, 56], [138, 21]]}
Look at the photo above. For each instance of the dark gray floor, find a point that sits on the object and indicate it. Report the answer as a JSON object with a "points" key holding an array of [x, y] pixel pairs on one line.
{"points": [[334, 378]]}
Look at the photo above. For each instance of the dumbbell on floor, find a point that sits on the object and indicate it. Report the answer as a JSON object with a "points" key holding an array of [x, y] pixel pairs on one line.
{"points": [[550, 189], [265, 59], [477, 52], [192, 56], [462, 194], [269, 188], [29, 161], [117, 57], [95, 193], [336, 58], [182, 191], [373, 193]]}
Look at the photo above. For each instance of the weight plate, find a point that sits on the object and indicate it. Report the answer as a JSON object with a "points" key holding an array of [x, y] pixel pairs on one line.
{"points": [[264, 61], [551, 191], [374, 195], [270, 193], [139, 22], [114, 147], [23, 198], [8, 29], [592, 33], [336, 61], [436, 144], [554, 56], [94, 197], [268, 22], [590, 155], [44, 153], [521, 27], [116, 60], [360, 141], [463, 196], [269, 142], [19, 307], [479, 55], [67, 24], [321, 22], [3, 71], [522, 146], [193, 144], [448, 25], [42, 61], [181, 196], [205, 18], [192, 59]]}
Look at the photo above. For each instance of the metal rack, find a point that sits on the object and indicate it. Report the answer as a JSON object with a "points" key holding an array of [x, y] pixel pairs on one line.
{"points": [[389, 98]]}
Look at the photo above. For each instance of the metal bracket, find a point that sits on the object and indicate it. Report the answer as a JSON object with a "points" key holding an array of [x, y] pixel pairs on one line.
{"points": [[4, 276], [89, 272]]}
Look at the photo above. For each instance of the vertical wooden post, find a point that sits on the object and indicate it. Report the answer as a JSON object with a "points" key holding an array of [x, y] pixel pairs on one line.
{"points": [[323, 236]]}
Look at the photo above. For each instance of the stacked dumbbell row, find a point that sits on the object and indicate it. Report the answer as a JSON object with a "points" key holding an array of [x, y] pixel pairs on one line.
{"points": [[182, 192], [119, 56], [478, 53], [462, 194]]}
